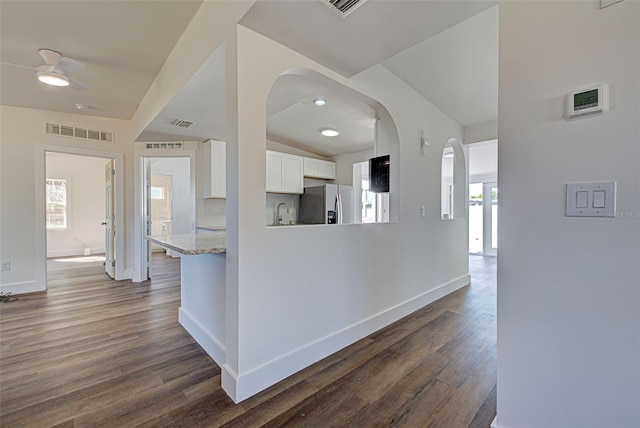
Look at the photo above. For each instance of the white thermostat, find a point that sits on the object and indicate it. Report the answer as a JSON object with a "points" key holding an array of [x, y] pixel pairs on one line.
{"points": [[588, 101]]}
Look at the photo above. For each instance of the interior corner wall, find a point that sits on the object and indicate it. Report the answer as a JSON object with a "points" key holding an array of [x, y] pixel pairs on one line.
{"points": [[568, 287], [85, 205], [308, 291], [21, 131]]}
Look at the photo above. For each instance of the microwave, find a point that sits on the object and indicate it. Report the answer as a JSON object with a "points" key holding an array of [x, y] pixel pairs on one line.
{"points": [[379, 174]]}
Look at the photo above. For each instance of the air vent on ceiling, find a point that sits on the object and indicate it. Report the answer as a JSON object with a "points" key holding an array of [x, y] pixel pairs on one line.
{"points": [[343, 7], [78, 132], [171, 146], [182, 123]]}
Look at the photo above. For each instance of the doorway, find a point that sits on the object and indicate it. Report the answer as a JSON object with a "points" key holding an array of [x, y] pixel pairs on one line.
{"points": [[71, 207], [483, 218], [483, 198], [168, 202]]}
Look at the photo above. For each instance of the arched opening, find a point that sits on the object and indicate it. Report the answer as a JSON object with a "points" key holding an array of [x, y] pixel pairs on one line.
{"points": [[300, 156], [453, 181]]}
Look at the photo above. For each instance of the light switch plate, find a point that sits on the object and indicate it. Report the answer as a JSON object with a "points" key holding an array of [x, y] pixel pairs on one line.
{"points": [[600, 199]]}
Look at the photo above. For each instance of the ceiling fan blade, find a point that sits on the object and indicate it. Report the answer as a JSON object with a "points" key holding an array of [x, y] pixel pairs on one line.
{"points": [[69, 65], [8, 64], [77, 85]]}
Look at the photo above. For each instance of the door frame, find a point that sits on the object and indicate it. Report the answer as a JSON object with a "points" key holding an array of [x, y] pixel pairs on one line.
{"points": [[41, 151], [140, 155], [487, 219]]}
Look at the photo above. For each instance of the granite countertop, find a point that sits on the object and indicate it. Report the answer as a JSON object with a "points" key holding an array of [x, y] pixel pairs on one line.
{"points": [[193, 243], [214, 228]]}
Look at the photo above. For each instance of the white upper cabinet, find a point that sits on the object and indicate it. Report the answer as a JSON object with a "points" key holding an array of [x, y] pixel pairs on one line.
{"points": [[275, 178], [284, 173], [215, 169], [317, 168]]}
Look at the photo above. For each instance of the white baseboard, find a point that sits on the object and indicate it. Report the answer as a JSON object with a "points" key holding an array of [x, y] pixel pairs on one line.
{"points": [[73, 252], [494, 422], [205, 339], [23, 287], [260, 378]]}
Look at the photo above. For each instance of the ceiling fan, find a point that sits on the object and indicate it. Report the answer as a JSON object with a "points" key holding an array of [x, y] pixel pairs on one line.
{"points": [[54, 70]]}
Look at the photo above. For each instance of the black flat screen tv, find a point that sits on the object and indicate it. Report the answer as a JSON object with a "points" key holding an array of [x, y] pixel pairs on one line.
{"points": [[379, 174]]}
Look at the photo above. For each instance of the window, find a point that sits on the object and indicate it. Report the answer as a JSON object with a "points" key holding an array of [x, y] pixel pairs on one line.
{"points": [[56, 189], [157, 192]]}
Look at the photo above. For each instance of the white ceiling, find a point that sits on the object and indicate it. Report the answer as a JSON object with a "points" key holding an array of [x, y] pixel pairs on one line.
{"points": [[122, 43], [125, 43], [377, 30], [200, 101], [291, 102], [457, 70]]}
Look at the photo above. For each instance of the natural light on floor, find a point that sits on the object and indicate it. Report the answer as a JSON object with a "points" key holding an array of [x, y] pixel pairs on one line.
{"points": [[82, 259]]}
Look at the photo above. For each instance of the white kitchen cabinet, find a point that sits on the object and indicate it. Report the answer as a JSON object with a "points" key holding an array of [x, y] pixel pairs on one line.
{"points": [[215, 169], [284, 173], [318, 168]]}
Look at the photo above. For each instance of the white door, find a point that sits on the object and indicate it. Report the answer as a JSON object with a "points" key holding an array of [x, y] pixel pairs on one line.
{"points": [[109, 229]]}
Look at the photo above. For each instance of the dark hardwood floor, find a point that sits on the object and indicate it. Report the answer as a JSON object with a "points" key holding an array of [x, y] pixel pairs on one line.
{"points": [[95, 352]]}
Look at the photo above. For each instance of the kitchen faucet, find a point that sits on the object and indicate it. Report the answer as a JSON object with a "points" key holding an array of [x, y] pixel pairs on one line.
{"points": [[278, 212]]}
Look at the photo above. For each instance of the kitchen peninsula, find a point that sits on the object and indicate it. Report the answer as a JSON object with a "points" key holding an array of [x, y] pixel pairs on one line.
{"points": [[202, 287]]}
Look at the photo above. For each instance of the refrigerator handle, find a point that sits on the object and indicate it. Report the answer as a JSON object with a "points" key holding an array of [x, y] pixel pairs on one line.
{"points": [[339, 213]]}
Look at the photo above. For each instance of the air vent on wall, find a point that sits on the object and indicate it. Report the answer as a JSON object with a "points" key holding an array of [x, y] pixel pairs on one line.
{"points": [[343, 7], [78, 132], [182, 123], [171, 146]]}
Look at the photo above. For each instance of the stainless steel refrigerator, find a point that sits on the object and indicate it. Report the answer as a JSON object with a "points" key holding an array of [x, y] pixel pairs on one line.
{"points": [[327, 204]]}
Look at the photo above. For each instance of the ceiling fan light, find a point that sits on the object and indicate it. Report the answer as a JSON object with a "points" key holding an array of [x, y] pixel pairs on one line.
{"points": [[53, 79]]}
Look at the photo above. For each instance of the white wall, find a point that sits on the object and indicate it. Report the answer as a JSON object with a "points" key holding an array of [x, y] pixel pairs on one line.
{"points": [[568, 288], [21, 133], [344, 165], [305, 292], [85, 205]]}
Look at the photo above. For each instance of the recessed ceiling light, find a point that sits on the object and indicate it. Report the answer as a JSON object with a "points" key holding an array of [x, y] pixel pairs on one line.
{"points": [[329, 132], [319, 102], [54, 79]]}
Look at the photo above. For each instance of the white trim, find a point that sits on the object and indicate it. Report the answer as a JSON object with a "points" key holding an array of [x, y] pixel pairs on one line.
{"points": [[494, 422], [139, 155], [23, 287], [40, 226], [243, 386], [75, 252], [229, 380], [205, 339]]}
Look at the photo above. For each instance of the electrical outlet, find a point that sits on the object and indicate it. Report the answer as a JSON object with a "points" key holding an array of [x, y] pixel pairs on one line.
{"points": [[5, 266]]}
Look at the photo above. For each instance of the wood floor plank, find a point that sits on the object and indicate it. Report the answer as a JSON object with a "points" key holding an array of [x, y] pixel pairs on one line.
{"points": [[95, 352]]}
